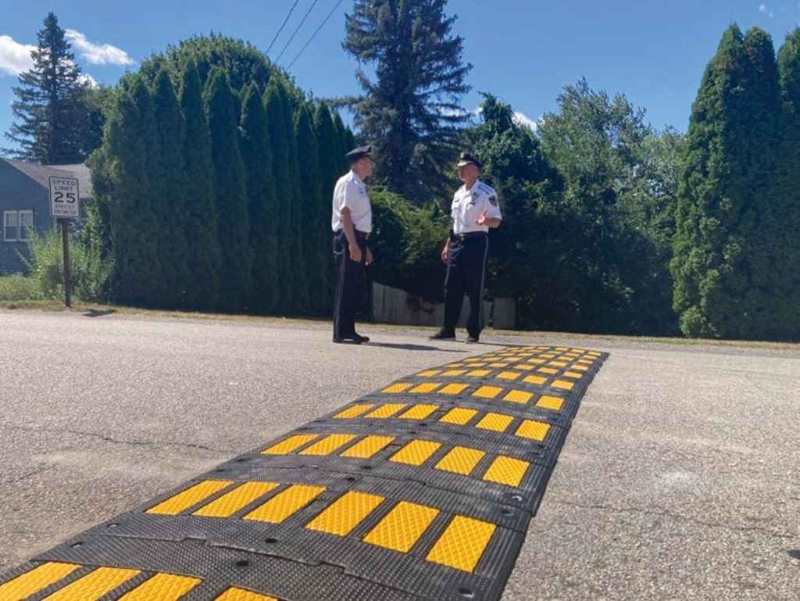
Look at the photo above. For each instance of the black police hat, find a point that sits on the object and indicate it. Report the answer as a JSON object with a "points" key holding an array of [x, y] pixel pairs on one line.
{"points": [[467, 158], [359, 153]]}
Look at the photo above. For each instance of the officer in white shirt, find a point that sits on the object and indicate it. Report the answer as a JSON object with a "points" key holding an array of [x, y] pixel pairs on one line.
{"points": [[474, 211], [352, 225]]}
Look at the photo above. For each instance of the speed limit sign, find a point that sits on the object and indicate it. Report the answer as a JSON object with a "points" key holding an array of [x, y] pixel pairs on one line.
{"points": [[64, 198]]}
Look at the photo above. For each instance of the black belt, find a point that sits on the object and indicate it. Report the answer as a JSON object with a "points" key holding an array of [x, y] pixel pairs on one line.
{"points": [[359, 234], [468, 236]]}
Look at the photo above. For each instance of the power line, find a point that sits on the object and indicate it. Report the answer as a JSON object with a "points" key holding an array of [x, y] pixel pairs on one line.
{"points": [[280, 29], [314, 35], [297, 30]]}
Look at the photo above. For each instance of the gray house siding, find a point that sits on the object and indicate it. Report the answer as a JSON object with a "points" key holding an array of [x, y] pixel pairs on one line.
{"points": [[19, 192]]}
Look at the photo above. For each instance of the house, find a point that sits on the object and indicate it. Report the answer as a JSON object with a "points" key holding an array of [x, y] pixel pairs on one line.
{"points": [[25, 205]]}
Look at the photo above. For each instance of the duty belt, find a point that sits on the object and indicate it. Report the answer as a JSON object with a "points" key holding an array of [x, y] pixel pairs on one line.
{"points": [[468, 236]]}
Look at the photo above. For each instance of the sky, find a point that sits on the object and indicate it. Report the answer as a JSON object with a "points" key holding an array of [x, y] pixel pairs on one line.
{"points": [[523, 51]]}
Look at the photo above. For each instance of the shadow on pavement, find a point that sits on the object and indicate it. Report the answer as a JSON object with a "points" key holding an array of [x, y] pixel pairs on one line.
{"points": [[98, 313], [413, 347]]}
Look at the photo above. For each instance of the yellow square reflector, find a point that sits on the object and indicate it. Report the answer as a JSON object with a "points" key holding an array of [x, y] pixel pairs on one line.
{"points": [[459, 416], [425, 388], [387, 411], [518, 396], [94, 585], [402, 527], [368, 448], [35, 580], [563, 385], [397, 388], [454, 389], [290, 445], [415, 452], [164, 587], [507, 470], [189, 497], [285, 504], [487, 392], [420, 412], [495, 422], [533, 430], [354, 411], [345, 513], [236, 500], [537, 380], [462, 544], [460, 460], [553, 403], [328, 445]]}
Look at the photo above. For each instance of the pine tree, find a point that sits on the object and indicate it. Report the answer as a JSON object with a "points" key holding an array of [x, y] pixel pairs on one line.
{"points": [[311, 211], [411, 111], [200, 220], [257, 156], [231, 194], [789, 186], [169, 189], [329, 167], [723, 283], [52, 119], [280, 137]]}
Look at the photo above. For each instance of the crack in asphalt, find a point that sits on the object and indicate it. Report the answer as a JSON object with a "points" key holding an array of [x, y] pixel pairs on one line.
{"points": [[676, 516], [110, 440], [26, 476]]}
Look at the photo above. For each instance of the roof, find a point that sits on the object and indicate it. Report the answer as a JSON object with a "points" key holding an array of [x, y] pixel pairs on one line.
{"points": [[41, 174]]}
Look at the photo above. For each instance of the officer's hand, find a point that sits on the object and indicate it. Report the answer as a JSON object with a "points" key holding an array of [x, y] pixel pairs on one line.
{"points": [[355, 253], [370, 258], [445, 253], [482, 219]]}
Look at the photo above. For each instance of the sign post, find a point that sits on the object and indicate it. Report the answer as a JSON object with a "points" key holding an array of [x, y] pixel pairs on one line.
{"points": [[65, 206]]}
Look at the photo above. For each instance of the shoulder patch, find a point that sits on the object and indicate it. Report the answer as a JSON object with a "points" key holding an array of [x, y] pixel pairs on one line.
{"points": [[493, 199]]}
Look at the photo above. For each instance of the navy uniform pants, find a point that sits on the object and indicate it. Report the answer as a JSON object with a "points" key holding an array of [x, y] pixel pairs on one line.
{"points": [[466, 269], [351, 281]]}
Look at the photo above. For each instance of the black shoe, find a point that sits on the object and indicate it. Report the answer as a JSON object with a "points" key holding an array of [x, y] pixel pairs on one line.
{"points": [[443, 335], [351, 339], [473, 339]]}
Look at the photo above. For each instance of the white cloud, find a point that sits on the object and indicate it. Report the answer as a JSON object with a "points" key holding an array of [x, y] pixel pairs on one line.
{"points": [[14, 57], [97, 54], [88, 80], [763, 8], [525, 121]]}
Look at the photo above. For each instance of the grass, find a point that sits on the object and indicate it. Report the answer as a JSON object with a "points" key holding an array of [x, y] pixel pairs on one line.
{"points": [[17, 288]]}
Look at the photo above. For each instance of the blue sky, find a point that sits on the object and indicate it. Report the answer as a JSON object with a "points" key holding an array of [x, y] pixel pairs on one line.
{"points": [[524, 51]]}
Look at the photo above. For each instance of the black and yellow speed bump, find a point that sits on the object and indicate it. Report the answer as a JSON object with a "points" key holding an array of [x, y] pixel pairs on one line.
{"points": [[420, 491]]}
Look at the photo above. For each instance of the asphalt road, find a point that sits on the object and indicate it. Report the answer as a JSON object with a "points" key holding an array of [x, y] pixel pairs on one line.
{"points": [[680, 478]]}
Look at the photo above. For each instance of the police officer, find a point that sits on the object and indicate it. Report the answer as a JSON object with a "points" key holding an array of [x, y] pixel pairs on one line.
{"points": [[352, 224], [474, 211]]}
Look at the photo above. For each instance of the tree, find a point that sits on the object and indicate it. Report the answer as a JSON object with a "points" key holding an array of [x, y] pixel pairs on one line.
{"points": [[329, 167], [231, 194], [168, 193], [297, 300], [411, 111], [724, 245], [257, 155], [52, 111], [200, 219]]}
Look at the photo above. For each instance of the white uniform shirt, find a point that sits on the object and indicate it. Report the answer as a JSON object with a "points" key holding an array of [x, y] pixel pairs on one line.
{"points": [[351, 192], [470, 204]]}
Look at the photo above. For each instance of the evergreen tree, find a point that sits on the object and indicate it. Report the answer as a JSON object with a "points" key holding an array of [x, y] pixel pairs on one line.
{"points": [[329, 167], [200, 218], [279, 134], [312, 212], [297, 301], [231, 194], [52, 120], [169, 189], [724, 285], [411, 110], [788, 200], [257, 156]]}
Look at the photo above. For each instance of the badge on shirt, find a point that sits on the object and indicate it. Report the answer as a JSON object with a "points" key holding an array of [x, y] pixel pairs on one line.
{"points": [[493, 200]]}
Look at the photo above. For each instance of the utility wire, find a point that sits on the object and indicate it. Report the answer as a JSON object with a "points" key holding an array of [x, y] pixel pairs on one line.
{"points": [[297, 30], [283, 25], [314, 35]]}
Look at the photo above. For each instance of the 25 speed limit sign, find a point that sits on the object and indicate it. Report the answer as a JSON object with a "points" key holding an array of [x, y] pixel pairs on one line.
{"points": [[64, 198]]}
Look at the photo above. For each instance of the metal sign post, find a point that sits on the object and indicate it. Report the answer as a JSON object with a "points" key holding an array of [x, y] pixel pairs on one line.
{"points": [[65, 206]]}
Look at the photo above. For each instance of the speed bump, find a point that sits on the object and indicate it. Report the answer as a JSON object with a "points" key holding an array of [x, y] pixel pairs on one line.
{"points": [[421, 490]]}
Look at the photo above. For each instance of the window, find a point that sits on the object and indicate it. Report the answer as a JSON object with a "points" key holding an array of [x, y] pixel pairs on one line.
{"points": [[17, 226]]}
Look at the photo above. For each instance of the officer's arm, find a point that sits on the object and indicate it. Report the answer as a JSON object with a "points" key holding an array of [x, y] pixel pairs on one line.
{"points": [[491, 215], [349, 230]]}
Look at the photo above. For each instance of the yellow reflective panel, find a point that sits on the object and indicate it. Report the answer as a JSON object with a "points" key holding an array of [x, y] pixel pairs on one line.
{"points": [[506, 470], [354, 411], [573, 374], [429, 373], [420, 412], [460, 460], [553, 403], [533, 430], [285, 504], [479, 373], [495, 422], [35, 580], [387, 411], [368, 447], [487, 392], [94, 585], [547, 370], [415, 452], [345, 514], [454, 389], [328, 445], [189, 497], [580, 368], [397, 388], [459, 416], [290, 445], [452, 373], [563, 385], [402, 527], [238, 594], [537, 380], [461, 546], [499, 364], [236, 500], [518, 396], [509, 375], [558, 363], [425, 388], [162, 587]]}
